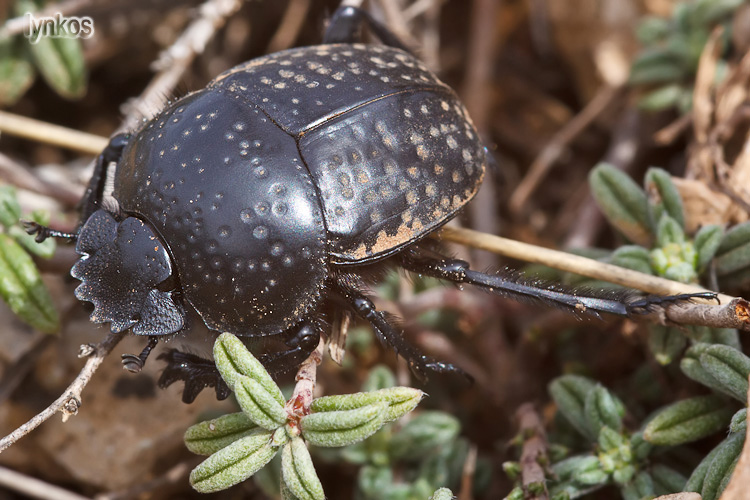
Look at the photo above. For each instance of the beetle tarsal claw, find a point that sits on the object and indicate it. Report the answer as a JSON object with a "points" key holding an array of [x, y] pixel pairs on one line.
{"points": [[122, 266]]}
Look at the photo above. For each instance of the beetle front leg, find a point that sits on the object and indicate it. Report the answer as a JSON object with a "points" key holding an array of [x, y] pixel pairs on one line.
{"points": [[346, 23], [133, 363], [420, 364], [516, 286]]}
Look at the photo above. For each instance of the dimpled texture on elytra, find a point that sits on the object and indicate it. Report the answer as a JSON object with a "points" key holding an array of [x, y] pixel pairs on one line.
{"points": [[390, 147]]}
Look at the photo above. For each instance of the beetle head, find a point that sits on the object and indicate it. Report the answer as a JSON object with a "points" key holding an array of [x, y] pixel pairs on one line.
{"points": [[125, 272]]}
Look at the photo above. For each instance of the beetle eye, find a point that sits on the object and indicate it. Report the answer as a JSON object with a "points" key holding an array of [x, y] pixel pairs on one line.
{"points": [[122, 269]]}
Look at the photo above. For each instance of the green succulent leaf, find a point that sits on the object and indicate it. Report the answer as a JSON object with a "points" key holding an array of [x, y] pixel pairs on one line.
{"points": [[569, 393], [687, 420], [623, 203], [380, 377], [692, 367], [704, 334], [667, 480], [443, 494], [10, 209], [698, 476], [298, 472], [633, 257], [602, 409], [657, 65], [564, 469], [210, 436], [234, 361], [22, 288], [610, 439], [16, 71], [669, 231], [345, 427], [666, 343], [722, 466], [664, 197], [706, 243], [733, 254], [589, 472], [642, 486], [739, 421], [258, 403], [425, 433], [665, 97], [624, 474], [400, 401], [729, 367], [234, 463], [652, 29], [640, 447]]}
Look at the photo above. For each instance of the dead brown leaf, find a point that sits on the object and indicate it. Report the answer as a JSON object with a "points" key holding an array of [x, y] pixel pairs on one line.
{"points": [[704, 205]]}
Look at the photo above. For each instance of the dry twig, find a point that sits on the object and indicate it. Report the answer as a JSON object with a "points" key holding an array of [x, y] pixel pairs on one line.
{"points": [[554, 149], [70, 400], [477, 96], [174, 61], [48, 133], [34, 488], [467, 475], [534, 451], [299, 404], [25, 178], [290, 26], [172, 476]]}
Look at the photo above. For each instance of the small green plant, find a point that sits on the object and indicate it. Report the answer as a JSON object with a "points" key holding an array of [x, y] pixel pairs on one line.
{"points": [[424, 454], [605, 444], [240, 444], [672, 48], [21, 285], [652, 218], [634, 460]]}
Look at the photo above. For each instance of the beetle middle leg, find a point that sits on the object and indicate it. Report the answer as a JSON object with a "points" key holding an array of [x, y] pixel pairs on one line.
{"points": [[199, 373], [346, 23], [516, 286], [420, 364]]}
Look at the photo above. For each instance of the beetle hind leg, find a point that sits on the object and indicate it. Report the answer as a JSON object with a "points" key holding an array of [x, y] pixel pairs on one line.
{"points": [[514, 285]]}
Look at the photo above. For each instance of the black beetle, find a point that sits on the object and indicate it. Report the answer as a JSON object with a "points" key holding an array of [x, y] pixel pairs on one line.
{"points": [[263, 199]]}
